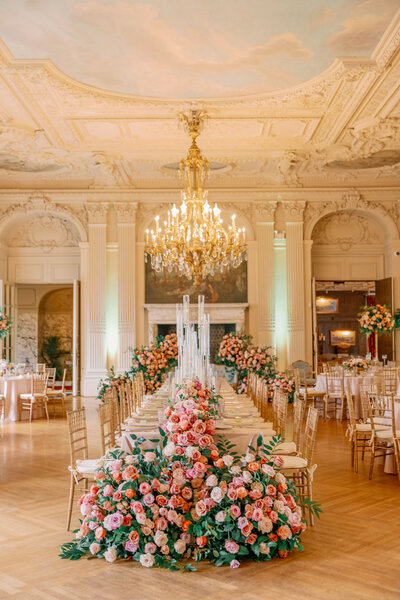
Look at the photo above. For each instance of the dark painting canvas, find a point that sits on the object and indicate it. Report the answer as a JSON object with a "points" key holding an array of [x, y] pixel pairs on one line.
{"points": [[168, 288]]}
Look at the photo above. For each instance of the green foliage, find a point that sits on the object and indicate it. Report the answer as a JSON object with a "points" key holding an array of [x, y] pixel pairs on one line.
{"points": [[52, 353]]}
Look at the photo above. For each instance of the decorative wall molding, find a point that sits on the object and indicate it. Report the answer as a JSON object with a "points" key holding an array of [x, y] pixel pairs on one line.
{"points": [[43, 231], [97, 213], [126, 211], [345, 230]]}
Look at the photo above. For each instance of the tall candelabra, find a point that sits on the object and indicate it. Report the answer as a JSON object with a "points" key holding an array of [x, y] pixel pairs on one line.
{"points": [[193, 346]]}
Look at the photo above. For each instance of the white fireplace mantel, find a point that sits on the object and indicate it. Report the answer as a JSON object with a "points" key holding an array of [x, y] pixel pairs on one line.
{"points": [[159, 314]]}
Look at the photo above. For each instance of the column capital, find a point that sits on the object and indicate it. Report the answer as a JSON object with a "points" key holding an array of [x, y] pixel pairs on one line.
{"points": [[294, 211], [263, 212], [97, 213], [126, 212]]}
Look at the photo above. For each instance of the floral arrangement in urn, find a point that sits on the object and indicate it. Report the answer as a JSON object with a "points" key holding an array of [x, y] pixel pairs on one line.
{"points": [[376, 319], [237, 352], [154, 360], [5, 325], [191, 497], [356, 364], [283, 382]]}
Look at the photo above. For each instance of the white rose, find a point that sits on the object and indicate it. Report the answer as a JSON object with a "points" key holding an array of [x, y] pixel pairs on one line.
{"points": [[216, 494], [189, 451], [266, 525], [111, 554], [228, 460], [211, 481], [247, 476], [146, 560], [180, 546], [220, 516], [236, 470], [169, 449], [160, 538], [279, 506], [280, 478], [268, 470], [249, 457], [149, 456], [130, 459], [287, 511]]}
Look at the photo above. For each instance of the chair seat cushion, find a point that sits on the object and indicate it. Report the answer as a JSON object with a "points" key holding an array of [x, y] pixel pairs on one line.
{"points": [[32, 397], [293, 462], [54, 393], [285, 448], [387, 434], [367, 427], [88, 466]]}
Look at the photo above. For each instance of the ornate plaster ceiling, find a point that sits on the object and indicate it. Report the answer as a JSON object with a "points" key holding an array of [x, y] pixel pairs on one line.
{"points": [[341, 128]]}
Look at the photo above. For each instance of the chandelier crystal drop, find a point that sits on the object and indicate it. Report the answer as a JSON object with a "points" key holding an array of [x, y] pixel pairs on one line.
{"points": [[193, 240]]}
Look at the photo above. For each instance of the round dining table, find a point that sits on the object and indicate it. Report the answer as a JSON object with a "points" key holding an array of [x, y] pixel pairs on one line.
{"points": [[352, 382], [11, 387]]}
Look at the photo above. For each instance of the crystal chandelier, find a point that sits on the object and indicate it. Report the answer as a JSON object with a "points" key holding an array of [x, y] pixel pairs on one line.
{"points": [[193, 240]]}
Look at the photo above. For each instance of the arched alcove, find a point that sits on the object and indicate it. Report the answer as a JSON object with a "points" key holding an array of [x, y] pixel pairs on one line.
{"points": [[55, 329]]}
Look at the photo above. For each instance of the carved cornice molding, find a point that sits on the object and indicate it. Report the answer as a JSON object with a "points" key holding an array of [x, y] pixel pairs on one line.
{"points": [[263, 212], [293, 210], [126, 212], [97, 213]]}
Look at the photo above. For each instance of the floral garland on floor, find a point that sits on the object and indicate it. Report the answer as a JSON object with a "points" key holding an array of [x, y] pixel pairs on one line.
{"points": [[192, 497], [236, 352], [153, 361], [376, 319], [5, 324]]}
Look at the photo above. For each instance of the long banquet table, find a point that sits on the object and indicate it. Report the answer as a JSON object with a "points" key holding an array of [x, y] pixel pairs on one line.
{"points": [[240, 424]]}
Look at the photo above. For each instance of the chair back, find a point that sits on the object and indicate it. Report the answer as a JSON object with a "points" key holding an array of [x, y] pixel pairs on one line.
{"points": [[51, 376], [310, 434], [298, 416], [38, 385], [77, 434], [304, 366], [107, 434], [381, 408], [335, 384], [297, 380], [389, 381], [63, 381], [282, 410], [116, 414], [41, 368], [365, 389], [350, 405]]}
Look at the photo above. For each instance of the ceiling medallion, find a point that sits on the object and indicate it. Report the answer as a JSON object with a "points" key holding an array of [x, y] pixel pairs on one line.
{"points": [[193, 240]]}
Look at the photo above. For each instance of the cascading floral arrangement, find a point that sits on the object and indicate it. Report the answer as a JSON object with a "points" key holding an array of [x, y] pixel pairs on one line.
{"points": [[283, 382], [356, 364], [154, 360], [5, 324], [376, 319], [192, 497], [237, 352]]}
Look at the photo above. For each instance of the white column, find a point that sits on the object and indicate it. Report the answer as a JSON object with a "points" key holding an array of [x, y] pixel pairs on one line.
{"points": [[252, 288], [266, 276], [308, 300], [295, 281], [393, 270], [281, 324], [126, 226], [141, 313], [95, 330]]}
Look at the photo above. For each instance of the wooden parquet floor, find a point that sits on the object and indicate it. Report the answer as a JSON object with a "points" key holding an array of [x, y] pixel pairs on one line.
{"points": [[352, 553]]}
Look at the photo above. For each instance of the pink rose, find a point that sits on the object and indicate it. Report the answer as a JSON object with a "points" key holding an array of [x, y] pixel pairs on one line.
{"points": [[231, 547], [137, 507], [235, 511], [144, 488], [150, 548], [148, 499], [108, 490], [131, 547]]}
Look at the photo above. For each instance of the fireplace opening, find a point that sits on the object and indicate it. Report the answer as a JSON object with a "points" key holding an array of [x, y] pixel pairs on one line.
{"points": [[217, 331]]}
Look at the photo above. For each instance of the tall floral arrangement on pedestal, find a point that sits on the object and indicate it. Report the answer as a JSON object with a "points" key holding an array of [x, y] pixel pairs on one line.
{"points": [[237, 352], [376, 320], [191, 497]]}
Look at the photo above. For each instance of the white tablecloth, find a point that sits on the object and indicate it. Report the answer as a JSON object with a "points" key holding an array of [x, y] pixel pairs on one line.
{"points": [[11, 388]]}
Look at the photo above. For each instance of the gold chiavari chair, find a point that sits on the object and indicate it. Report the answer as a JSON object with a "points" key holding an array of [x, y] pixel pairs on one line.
{"points": [[107, 434], [365, 389], [130, 397], [335, 394], [300, 467], [281, 412], [51, 377], [37, 398], [55, 396], [40, 368], [382, 414], [116, 413], [123, 403], [298, 416], [359, 433], [81, 468], [389, 381], [2, 407]]}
